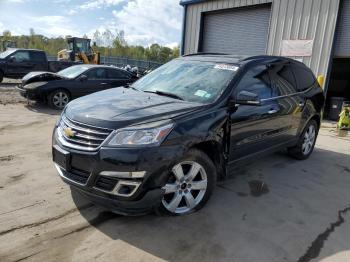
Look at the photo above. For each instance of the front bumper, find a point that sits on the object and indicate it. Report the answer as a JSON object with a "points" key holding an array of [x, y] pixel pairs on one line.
{"points": [[28, 94], [85, 170]]}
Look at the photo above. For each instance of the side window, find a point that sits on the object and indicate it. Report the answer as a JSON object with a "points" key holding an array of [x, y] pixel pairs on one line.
{"points": [[96, 73], [38, 56], [257, 81], [117, 74], [21, 56], [305, 78], [283, 79]]}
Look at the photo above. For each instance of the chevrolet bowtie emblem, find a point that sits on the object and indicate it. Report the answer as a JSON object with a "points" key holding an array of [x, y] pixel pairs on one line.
{"points": [[68, 132]]}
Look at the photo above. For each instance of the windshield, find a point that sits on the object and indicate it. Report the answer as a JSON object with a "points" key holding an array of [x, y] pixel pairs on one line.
{"points": [[6, 53], [73, 71], [194, 81]]}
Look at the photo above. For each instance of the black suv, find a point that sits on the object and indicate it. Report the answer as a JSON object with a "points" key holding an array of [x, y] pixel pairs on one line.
{"points": [[161, 143]]}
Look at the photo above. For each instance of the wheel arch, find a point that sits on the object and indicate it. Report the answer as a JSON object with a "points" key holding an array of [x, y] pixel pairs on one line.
{"points": [[317, 118], [213, 149]]}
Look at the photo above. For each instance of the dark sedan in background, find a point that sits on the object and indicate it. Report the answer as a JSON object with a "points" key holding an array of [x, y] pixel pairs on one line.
{"points": [[57, 89]]}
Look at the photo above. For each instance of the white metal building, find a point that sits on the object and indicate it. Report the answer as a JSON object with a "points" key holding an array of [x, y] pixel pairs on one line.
{"points": [[252, 27]]}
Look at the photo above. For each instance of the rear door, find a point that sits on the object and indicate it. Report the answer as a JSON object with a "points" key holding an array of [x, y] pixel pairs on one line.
{"points": [[255, 128], [118, 77], [286, 94]]}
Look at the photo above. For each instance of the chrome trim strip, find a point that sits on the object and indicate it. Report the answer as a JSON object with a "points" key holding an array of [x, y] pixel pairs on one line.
{"points": [[70, 180], [85, 145], [119, 184], [119, 174], [87, 125], [86, 130], [285, 96]]}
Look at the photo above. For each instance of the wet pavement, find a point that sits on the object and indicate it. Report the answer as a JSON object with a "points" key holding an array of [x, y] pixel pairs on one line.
{"points": [[275, 209]]}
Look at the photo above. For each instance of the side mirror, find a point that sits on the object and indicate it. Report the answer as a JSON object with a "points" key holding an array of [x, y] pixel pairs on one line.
{"points": [[12, 58], [83, 78], [247, 98]]}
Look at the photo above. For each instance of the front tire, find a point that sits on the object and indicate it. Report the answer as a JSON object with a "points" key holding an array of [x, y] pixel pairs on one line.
{"points": [[1, 76], [306, 142], [58, 99], [190, 184]]}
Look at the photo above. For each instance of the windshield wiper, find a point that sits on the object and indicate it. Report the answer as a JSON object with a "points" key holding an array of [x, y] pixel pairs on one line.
{"points": [[162, 93], [130, 86]]}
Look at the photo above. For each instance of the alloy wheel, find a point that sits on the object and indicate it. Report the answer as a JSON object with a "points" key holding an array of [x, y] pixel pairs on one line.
{"points": [[60, 99], [309, 140], [185, 188]]}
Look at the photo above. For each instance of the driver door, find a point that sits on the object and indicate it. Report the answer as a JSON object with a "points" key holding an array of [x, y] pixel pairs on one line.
{"points": [[96, 81], [254, 127], [19, 64]]}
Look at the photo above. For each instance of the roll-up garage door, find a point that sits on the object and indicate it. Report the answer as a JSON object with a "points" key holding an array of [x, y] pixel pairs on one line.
{"points": [[242, 31], [342, 37]]}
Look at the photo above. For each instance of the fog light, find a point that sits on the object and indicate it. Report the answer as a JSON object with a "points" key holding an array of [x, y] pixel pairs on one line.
{"points": [[135, 174]]}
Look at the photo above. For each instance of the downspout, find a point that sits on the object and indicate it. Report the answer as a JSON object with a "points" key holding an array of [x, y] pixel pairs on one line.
{"points": [[330, 61], [182, 49]]}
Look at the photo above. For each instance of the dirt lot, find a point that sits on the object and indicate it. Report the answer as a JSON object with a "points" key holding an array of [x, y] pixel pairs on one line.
{"points": [[8, 92], [275, 210]]}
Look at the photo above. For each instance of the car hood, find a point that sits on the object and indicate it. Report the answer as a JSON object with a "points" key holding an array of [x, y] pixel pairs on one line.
{"points": [[120, 107], [40, 77]]}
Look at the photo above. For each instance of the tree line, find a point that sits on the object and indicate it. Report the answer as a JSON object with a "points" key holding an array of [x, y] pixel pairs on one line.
{"points": [[107, 43]]}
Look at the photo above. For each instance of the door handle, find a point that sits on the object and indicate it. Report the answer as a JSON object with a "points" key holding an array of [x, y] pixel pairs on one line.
{"points": [[104, 83], [272, 111]]}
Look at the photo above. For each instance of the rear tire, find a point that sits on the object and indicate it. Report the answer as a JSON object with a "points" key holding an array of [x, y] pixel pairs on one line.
{"points": [[190, 184], [306, 142], [58, 99]]}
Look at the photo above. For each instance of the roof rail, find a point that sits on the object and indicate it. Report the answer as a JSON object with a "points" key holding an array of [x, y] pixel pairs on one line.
{"points": [[204, 53]]}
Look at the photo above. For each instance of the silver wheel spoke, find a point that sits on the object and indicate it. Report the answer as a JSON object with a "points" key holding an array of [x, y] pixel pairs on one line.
{"points": [[178, 172], [307, 135], [193, 171], [178, 196], [170, 188], [200, 185], [174, 202], [190, 202]]}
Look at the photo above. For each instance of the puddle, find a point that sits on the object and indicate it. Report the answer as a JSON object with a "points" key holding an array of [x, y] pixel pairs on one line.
{"points": [[6, 158], [258, 188]]}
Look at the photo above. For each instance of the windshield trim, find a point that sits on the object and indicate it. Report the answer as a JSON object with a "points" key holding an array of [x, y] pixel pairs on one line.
{"points": [[75, 77], [188, 97], [10, 51]]}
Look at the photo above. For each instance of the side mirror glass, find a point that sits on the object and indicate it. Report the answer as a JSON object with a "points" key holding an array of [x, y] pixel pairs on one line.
{"points": [[247, 98], [83, 78]]}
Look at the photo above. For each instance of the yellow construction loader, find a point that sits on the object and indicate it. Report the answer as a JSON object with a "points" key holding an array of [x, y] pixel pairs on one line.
{"points": [[79, 50]]}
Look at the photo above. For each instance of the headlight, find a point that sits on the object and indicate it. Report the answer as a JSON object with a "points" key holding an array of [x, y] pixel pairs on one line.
{"points": [[34, 85], [150, 134]]}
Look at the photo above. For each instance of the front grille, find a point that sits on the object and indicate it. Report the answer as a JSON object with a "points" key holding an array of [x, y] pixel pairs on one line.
{"points": [[79, 176], [84, 137], [105, 183]]}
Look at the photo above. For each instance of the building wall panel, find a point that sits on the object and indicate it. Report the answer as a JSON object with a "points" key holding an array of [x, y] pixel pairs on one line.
{"points": [[290, 20]]}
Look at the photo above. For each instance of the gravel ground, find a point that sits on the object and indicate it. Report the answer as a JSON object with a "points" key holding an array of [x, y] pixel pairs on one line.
{"points": [[277, 209], [8, 92]]}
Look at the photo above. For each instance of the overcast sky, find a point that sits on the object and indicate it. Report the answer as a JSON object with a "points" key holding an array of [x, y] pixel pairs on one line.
{"points": [[144, 21]]}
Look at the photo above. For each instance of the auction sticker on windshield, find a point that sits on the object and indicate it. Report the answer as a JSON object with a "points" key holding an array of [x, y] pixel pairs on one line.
{"points": [[226, 67], [202, 93]]}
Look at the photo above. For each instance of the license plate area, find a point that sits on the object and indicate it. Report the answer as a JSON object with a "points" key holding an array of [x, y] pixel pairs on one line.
{"points": [[61, 157]]}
